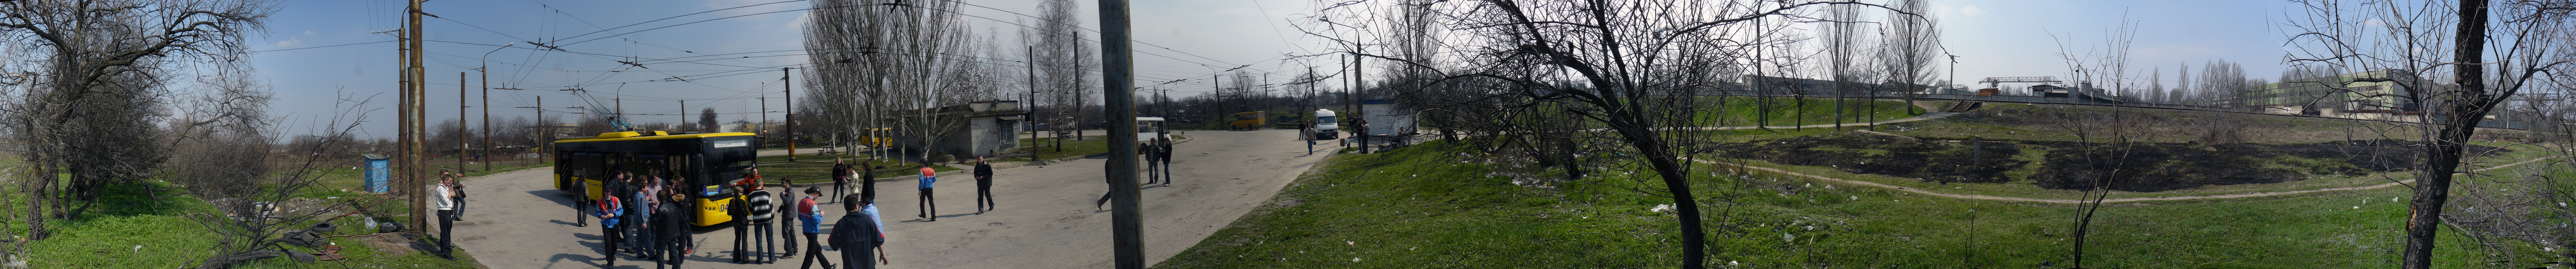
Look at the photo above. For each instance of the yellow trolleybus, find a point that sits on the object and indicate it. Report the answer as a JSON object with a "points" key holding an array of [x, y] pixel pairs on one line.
{"points": [[707, 160]]}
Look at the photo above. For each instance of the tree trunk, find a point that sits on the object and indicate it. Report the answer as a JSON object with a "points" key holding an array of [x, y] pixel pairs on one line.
{"points": [[2463, 113]]}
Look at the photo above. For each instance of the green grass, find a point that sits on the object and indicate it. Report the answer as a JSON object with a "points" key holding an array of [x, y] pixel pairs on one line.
{"points": [[1426, 206], [125, 219]]}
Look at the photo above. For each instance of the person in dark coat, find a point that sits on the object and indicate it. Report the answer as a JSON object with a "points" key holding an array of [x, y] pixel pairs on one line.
{"points": [[984, 187], [740, 210], [855, 234], [1163, 152], [787, 222], [867, 182], [669, 231], [581, 201]]}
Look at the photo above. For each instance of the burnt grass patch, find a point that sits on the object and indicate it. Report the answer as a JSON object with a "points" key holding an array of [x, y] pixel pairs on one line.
{"points": [[2135, 167]]}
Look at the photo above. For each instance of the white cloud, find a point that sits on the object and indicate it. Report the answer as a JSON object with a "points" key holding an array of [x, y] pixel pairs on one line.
{"points": [[1971, 11], [308, 32], [291, 42]]}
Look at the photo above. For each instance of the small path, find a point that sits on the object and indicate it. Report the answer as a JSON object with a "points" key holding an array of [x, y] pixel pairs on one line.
{"points": [[2131, 199]]}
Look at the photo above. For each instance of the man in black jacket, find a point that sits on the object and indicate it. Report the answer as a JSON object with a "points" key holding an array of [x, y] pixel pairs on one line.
{"points": [[855, 234], [670, 229], [984, 187]]}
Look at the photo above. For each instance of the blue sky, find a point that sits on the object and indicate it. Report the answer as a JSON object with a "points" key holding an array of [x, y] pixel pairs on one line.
{"points": [[1992, 38]]}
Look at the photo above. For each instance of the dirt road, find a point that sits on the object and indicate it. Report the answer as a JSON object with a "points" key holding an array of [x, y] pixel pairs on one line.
{"points": [[1046, 220]]}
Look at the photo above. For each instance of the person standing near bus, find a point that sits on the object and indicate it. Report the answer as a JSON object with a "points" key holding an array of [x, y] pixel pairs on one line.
{"points": [[581, 201], [446, 202], [787, 226], [984, 187], [929, 208], [670, 231], [648, 216], [744, 220], [610, 211], [812, 216]]}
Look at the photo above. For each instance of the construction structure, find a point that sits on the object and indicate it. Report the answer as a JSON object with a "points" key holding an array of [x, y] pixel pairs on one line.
{"points": [[2373, 94], [974, 129]]}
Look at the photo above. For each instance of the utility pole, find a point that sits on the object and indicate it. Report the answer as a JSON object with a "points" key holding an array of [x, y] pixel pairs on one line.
{"points": [[460, 123], [414, 178], [684, 118], [788, 88], [1118, 89], [545, 135], [1033, 104], [486, 70], [486, 153]]}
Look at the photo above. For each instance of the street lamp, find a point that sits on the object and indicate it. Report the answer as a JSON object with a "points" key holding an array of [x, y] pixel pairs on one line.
{"points": [[486, 71]]}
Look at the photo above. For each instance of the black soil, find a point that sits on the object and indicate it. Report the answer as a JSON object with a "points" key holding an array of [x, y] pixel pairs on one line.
{"points": [[2137, 167]]}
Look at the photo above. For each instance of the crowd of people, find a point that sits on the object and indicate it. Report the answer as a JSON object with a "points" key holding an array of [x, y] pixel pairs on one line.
{"points": [[646, 216]]}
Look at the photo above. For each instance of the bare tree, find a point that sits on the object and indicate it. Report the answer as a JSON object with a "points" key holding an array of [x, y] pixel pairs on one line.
{"points": [[2427, 43], [1912, 49], [106, 68], [1622, 76]]}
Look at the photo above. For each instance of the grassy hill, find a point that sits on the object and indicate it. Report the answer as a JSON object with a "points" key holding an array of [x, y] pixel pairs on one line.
{"points": [[1438, 206]]}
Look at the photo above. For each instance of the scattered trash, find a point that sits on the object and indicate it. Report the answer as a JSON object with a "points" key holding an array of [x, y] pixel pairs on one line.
{"points": [[1662, 208], [1355, 259]]}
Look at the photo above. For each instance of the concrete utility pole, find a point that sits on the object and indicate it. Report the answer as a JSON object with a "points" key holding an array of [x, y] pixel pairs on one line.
{"points": [[545, 130], [486, 69], [1118, 90], [683, 127], [414, 178], [1033, 104]]}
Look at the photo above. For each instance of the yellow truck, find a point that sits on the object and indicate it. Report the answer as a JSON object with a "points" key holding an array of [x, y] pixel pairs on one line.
{"points": [[1250, 120]]}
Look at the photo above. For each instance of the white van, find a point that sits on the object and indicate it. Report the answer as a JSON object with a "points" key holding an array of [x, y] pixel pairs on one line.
{"points": [[1150, 128], [1326, 126]]}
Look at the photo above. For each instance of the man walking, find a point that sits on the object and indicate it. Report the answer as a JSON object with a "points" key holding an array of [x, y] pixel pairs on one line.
{"points": [[610, 211], [807, 212], [984, 187], [446, 202], [581, 201], [929, 208], [854, 235]]}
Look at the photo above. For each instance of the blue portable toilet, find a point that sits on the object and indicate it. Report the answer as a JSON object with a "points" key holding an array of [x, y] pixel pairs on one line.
{"points": [[378, 170]]}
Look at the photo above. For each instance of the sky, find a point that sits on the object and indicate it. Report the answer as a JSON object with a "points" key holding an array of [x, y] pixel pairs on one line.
{"points": [[1187, 40]]}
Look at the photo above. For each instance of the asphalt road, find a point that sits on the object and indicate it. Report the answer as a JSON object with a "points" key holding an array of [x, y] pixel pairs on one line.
{"points": [[1046, 218]]}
